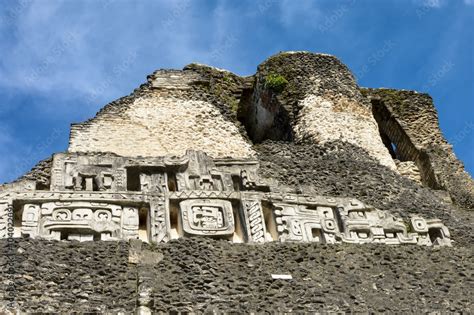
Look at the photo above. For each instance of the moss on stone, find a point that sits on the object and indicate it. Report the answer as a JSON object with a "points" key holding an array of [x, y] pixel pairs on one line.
{"points": [[275, 82]]}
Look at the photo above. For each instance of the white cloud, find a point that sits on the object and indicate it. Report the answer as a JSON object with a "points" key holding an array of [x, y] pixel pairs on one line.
{"points": [[292, 12], [65, 53], [434, 4], [72, 48]]}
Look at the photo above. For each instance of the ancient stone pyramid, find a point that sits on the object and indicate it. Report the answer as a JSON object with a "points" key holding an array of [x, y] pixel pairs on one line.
{"points": [[294, 157]]}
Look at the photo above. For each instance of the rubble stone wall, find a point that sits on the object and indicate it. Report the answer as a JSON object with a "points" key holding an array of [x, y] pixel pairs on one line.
{"points": [[319, 135], [40, 173], [410, 121], [174, 111], [53, 277], [323, 120], [320, 103], [204, 275], [342, 169]]}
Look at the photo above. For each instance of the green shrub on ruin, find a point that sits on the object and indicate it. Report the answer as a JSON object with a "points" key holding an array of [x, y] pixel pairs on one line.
{"points": [[275, 82]]}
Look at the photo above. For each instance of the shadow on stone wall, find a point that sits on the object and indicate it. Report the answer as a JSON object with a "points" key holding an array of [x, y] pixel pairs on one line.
{"points": [[344, 170]]}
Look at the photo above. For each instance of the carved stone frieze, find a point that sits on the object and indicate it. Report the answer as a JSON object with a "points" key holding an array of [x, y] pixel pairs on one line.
{"points": [[209, 217], [6, 218], [108, 197], [160, 226], [300, 223], [254, 220], [79, 221]]}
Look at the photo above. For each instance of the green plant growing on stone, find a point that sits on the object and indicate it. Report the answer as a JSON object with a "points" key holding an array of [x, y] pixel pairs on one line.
{"points": [[275, 82], [227, 77], [234, 106]]}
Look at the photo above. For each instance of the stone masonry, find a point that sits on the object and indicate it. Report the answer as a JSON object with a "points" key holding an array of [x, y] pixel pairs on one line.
{"points": [[202, 191], [178, 124]]}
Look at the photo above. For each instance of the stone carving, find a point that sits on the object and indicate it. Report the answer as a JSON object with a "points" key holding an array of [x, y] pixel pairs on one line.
{"points": [[58, 173], [62, 215], [153, 182], [204, 182], [120, 180], [82, 214], [85, 177], [369, 225], [30, 219], [95, 197], [204, 194], [254, 220], [160, 225], [5, 218], [207, 217], [79, 220], [430, 232], [353, 222], [176, 161], [130, 223], [299, 223], [250, 181]]}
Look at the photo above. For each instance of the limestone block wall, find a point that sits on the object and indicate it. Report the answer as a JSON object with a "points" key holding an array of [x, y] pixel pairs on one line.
{"points": [[321, 102], [409, 169], [323, 120], [174, 113], [157, 125], [218, 112]]}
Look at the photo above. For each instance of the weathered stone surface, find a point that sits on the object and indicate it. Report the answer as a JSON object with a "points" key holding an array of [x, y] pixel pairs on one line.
{"points": [[217, 276], [321, 103], [53, 277], [409, 169], [108, 197], [338, 169], [204, 275], [296, 161], [156, 126], [409, 120], [40, 174], [323, 120]]}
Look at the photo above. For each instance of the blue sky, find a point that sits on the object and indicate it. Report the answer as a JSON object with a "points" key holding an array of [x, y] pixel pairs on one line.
{"points": [[61, 61]]}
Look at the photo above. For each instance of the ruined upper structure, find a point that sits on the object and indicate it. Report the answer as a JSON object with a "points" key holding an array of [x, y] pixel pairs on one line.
{"points": [[204, 152]]}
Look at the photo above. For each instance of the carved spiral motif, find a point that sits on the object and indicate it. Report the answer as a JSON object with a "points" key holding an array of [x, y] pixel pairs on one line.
{"points": [[255, 221]]}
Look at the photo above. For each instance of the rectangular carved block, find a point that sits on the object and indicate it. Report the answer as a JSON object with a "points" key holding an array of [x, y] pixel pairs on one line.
{"points": [[77, 220], [6, 218], [254, 220], [300, 223], [207, 217], [160, 226], [362, 224]]}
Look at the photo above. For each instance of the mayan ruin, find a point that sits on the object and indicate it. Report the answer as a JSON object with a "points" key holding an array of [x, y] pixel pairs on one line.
{"points": [[288, 190]]}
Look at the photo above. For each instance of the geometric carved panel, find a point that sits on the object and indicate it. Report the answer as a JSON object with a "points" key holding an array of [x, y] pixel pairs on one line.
{"points": [[207, 217], [298, 223], [254, 220], [79, 220]]}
